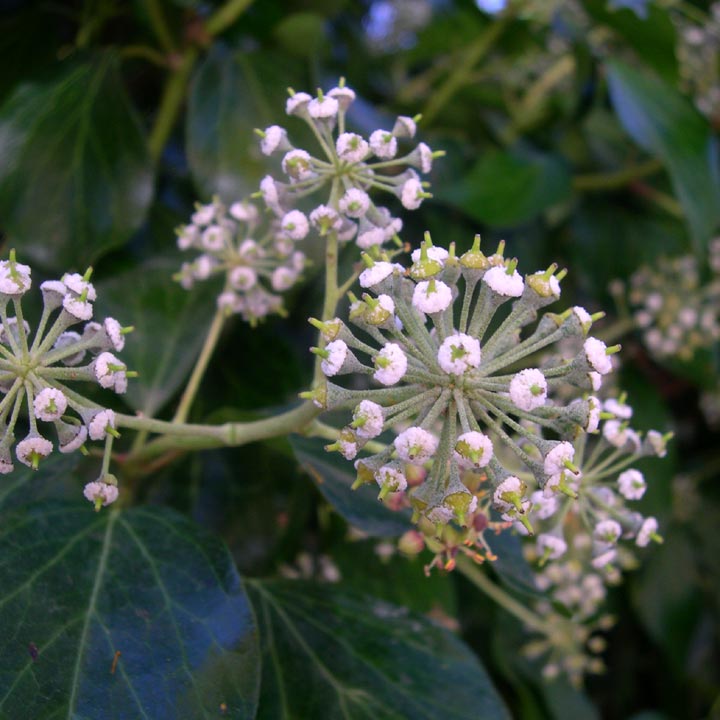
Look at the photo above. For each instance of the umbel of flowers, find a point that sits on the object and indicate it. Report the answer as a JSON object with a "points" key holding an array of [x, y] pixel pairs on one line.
{"points": [[36, 367], [455, 346], [258, 259], [345, 170]]}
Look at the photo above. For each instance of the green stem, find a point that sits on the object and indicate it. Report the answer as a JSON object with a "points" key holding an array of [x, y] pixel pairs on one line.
{"points": [[481, 581], [616, 179], [200, 366], [159, 25], [225, 16], [472, 54]]}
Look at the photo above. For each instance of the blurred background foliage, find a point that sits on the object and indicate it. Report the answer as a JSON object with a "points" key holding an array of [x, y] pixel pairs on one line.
{"points": [[581, 132]]}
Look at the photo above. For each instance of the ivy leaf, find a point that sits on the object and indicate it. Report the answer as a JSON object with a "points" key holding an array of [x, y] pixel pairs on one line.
{"points": [[76, 178], [661, 121], [508, 188], [78, 587], [158, 307], [329, 653], [333, 476]]}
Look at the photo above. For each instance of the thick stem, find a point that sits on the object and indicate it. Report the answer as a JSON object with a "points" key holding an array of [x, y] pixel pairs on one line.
{"points": [[200, 366]]}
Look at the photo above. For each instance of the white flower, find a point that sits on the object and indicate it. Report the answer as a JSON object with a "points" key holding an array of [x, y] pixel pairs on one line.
{"points": [[351, 147], [100, 493], [617, 434], [282, 278], [114, 332], [389, 477], [297, 165], [80, 286], [73, 441], [372, 235], [544, 506], [657, 443], [405, 127], [244, 212], [647, 530], [77, 308], [14, 277], [32, 449], [67, 339], [49, 404], [337, 351], [608, 531], [528, 389], [215, 238], [425, 157], [242, 277], [595, 381], [511, 488], [391, 364], [632, 484], [596, 355], [555, 460], [438, 254], [273, 138], [440, 515], [203, 215], [323, 108], [551, 546], [459, 353], [618, 409], [101, 421], [431, 296], [354, 203], [110, 372], [415, 445], [602, 561], [412, 194], [473, 450], [497, 279], [324, 218], [344, 95], [368, 419], [297, 103], [383, 144], [593, 421], [377, 273], [583, 317], [295, 225], [270, 193]]}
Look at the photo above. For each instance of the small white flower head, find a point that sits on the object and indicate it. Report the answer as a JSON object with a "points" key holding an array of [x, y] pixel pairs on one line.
{"points": [[351, 147], [370, 235], [473, 450], [415, 445], [601, 562], [79, 309], [632, 484], [344, 95], [297, 165], [100, 494], [528, 389], [657, 442], [459, 353], [594, 408], [203, 267], [115, 333], [49, 404], [618, 409], [14, 277], [383, 144], [100, 424], [381, 312], [434, 252], [67, 339], [6, 465], [111, 372], [53, 292], [440, 515], [325, 219], [405, 127], [391, 478], [297, 103], [337, 352], [595, 352], [295, 225], [544, 506], [550, 547], [508, 494], [354, 203], [33, 449], [283, 278], [242, 277], [507, 285], [412, 193], [432, 296], [323, 108], [270, 193], [617, 433], [215, 238], [595, 379], [203, 215], [244, 212], [71, 437], [390, 364], [425, 157], [368, 419], [648, 531], [274, 139], [584, 317], [557, 460], [376, 274], [608, 531], [80, 286]]}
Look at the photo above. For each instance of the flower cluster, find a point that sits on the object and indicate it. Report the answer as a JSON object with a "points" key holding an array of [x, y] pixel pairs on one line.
{"points": [[453, 366], [347, 169], [257, 264], [677, 312], [35, 367]]}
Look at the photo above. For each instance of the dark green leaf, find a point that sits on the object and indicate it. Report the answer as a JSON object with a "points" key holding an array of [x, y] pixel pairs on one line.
{"points": [[507, 188], [302, 34], [664, 123], [76, 588], [329, 654], [75, 177], [170, 327], [510, 565], [230, 96], [333, 476]]}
